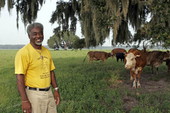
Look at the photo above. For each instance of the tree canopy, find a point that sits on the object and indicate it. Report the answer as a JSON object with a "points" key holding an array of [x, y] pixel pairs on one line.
{"points": [[99, 17], [64, 40]]}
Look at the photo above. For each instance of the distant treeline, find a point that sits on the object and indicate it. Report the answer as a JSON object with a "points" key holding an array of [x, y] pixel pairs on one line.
{"points": [[11, 46], [20, 46], [98, 47]]}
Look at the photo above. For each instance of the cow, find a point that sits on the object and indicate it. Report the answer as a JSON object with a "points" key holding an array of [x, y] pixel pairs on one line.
{"points": [[98, 55], [118, 50], [120, 56], [135, 61], [168, 64], [156, 58]]}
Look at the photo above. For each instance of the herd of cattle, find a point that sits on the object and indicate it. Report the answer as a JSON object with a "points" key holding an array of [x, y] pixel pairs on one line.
{"points": [[134, 60]]}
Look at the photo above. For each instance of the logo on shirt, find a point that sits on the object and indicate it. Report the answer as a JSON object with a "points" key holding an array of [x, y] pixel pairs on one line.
{"points": [[45, 75]]}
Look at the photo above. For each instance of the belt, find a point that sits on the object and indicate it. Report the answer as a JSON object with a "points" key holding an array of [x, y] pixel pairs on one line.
{"points": [[37, 89]]}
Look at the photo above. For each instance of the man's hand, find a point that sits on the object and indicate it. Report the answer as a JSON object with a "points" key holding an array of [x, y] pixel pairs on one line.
{"points": [[57, 97], [26, 107]]}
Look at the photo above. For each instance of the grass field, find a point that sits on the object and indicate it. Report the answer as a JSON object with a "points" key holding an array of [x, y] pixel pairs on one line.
{"points": [[98, 87]]}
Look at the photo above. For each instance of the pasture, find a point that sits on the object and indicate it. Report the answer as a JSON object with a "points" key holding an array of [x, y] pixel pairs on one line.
{"points": [[97, 87]]}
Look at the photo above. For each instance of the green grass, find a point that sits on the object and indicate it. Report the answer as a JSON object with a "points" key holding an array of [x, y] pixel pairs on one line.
{"points": [[87, 87]]}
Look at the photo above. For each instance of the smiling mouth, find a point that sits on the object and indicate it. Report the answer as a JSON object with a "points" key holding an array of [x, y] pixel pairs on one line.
{"points": [[38, 42]]}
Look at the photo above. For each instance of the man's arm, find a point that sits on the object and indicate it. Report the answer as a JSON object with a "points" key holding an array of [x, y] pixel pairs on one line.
{"points": [[21, 87], [53, 79], [26, 105], [54, 85]]}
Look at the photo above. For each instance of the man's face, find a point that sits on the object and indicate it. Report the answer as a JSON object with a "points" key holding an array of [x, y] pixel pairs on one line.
{"points": [[36, 36]]}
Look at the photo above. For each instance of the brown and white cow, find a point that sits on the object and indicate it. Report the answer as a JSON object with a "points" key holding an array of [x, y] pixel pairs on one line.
{"points": [[135, 61], [156, 58], [98, 55], [118, 50]]}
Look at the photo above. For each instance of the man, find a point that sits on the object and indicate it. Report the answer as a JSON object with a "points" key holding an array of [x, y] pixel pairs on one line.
{"points": [[34, 69]]}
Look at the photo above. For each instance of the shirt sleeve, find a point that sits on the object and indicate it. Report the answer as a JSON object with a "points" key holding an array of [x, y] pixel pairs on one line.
{"points": [[52, 66], [21, 63]]}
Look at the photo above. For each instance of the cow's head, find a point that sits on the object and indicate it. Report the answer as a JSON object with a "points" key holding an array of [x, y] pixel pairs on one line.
{"points": [[166, 55], [130, 60], [110, 54]]}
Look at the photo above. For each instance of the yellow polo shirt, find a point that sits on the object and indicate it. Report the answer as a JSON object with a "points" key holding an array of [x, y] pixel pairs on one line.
{"points": [[35, 65]]}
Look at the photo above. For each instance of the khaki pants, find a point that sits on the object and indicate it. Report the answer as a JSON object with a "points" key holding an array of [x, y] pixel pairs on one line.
{"points": [[41, 101]]}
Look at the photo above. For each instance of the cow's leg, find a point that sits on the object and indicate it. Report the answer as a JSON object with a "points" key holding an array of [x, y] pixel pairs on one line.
{"points": [[134, 79], [91, 60], [152, 69], [131, 75], [138, 78], [156, 70], [169, 69], [134, 83], [138, 84]]}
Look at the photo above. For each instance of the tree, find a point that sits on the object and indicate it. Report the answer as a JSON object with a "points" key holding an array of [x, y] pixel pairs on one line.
{"points": [[53, 42], [159, 26], [79, 44], [28, 9], [156, 31], [99, 17], [62, 40]]}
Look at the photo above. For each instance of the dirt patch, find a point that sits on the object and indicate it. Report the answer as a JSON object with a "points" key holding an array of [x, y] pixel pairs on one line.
{"points": [[154, 86], [147, 86], [129, 102]]}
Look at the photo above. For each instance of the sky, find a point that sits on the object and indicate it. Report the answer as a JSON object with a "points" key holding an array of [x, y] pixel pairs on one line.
{"points": [[10, 35]]}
